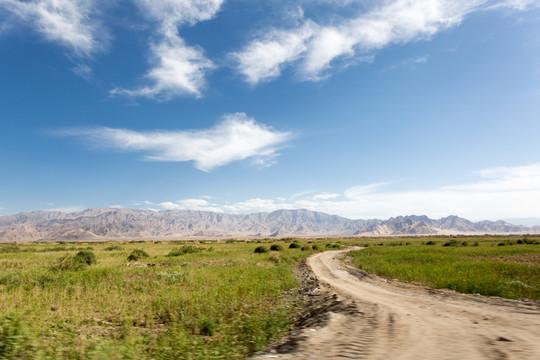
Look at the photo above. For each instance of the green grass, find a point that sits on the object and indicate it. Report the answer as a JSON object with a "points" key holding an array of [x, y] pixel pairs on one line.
{"points": [[468, 265], [222, 301]]}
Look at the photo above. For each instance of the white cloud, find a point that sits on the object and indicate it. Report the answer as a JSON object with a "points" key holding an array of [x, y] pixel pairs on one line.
{"points": [[179, 69], [173, 13], [257, 205], [325, 196], [235, 138], [314, 49], [83, 71], [507, 192], [69, 209], [515, 4], [406, 63], [72, 23], [263, 59], [185, 204]]}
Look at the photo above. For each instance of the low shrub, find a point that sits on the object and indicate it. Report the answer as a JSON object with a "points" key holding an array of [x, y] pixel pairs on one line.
{"points": [[528, 241], [79, 261], [260, 250], [431, 242], [294, 245], [335, 246], [86, 256], [112, 248], [315, 247], [137, 254], [208, 327], [276, 247], [306, 247], [186, 249], [451, 243]]}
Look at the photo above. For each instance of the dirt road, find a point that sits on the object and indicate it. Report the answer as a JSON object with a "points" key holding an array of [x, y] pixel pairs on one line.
{"points": [[381, 319]]}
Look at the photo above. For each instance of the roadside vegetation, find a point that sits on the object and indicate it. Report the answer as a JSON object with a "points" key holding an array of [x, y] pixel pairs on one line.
{"points": [[143, 300], [508, 267], [210, 300]]}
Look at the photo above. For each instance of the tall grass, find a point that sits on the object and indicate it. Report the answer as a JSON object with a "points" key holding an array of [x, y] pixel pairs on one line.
{"points": [[220, 304], [507, 271]]}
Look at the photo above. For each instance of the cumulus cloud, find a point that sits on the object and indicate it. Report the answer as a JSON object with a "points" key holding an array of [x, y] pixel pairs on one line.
{"points": [[178, 69], [172, 13], [72, 23], [264, 59], [505, 192], [314, 49], [237, 137]]}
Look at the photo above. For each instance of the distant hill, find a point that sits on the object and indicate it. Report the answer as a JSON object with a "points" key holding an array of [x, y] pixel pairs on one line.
{"points": [[95, 224]]}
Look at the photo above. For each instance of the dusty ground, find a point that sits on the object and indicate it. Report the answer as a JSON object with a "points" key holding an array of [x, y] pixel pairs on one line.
{"points": [[353, 315]]}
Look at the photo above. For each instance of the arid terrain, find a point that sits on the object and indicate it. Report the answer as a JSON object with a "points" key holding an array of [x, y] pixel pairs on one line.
{"points": [[114, 224], [360, 316]]}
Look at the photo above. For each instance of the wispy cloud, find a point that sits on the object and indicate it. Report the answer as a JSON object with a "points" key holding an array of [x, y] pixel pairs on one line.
{"points": [[72, 23], [185, 204], [69, 209], [515, 4], [83, 71], [315, 49], [406, 63], [505, 192], [179, 69], [237, 137]]}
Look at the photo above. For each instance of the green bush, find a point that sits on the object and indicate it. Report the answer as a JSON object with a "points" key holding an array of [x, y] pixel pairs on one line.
{"points": [[334, 246], [260, 250], [86, 256], [431, 242], [80, 261], [137, 254], [306, 247], [208, 327], [186, 249], [315, 247], [276, 247], [113, 247], [294, 245], [451, 243]]}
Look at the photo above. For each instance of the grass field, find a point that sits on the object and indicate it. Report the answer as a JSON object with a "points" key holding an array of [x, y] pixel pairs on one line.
{"points": [[169, 301], [493, 266], [207, 300]]}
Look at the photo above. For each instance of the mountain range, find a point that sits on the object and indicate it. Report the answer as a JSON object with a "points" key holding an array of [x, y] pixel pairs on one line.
{"points": [[113, 223]]}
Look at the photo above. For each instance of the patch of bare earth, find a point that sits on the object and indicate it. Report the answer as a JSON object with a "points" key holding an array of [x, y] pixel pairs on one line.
{"points": [[353, 315]]}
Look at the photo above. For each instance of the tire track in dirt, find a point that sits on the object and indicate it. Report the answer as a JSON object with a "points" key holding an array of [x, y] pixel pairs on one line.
{"points": [[350, 314]]}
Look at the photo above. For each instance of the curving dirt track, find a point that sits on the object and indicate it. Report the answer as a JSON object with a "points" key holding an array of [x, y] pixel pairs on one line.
{"points": [[386, 319]]}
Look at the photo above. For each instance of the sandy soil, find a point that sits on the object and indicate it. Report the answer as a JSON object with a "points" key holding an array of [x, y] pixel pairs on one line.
{"points": [[354, 315]]}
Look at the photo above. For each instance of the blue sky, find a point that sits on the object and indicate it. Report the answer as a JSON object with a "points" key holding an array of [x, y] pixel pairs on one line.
{"points": [[365, 109]]}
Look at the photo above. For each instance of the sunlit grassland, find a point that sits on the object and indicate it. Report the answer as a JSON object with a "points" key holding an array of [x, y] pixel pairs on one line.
{"points": [[493, 266], [223, 302]]}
